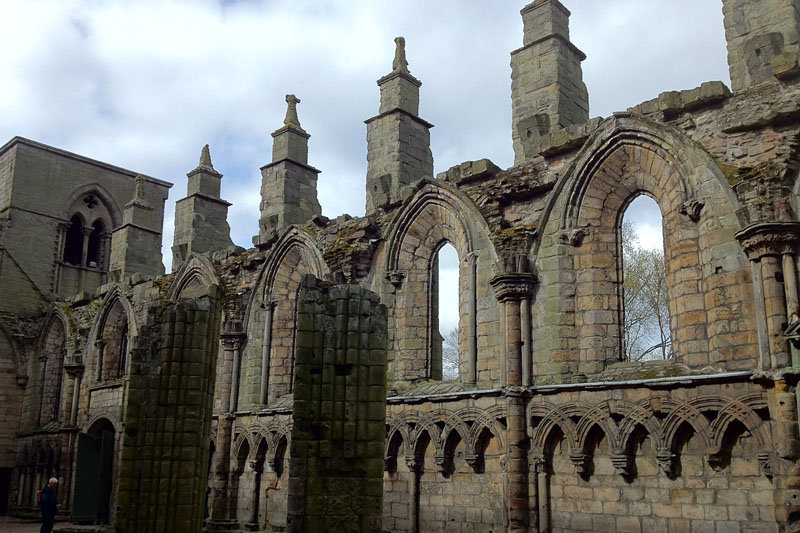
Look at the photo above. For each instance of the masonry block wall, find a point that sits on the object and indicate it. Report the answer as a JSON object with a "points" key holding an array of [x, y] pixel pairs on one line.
{"points": [[339, 410]]}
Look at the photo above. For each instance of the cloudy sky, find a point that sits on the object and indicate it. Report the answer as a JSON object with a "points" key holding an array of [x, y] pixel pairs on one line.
{"points": [[144, 84]]}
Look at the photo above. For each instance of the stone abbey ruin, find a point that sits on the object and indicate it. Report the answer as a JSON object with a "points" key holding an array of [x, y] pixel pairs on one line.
{"points": [[297, 385]]}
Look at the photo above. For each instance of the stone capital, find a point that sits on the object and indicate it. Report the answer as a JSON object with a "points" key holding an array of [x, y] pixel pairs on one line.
{"points": [[515, 286], [777, 238]]}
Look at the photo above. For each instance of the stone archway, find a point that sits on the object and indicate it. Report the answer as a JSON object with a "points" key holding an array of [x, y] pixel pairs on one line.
{"points": [[93, 474]]}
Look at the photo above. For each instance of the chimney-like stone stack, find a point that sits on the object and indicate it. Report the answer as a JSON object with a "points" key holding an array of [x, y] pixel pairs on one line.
{"points": [[289, 183], [547, 89], [398, 141], [201, 218]]}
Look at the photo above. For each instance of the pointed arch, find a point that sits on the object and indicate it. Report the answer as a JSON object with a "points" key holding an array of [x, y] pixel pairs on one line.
{"points": [[111, 336], [270, 315], [197, 270], [101, 193], [625, 157], [51, 353], [435, 215]]}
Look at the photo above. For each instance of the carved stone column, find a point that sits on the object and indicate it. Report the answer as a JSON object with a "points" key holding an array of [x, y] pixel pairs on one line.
{"points": [[510, 289], [416, 466], [221, 469], [257, 467], [87, 231], [770, 248], [543, 494], [74, 369], [232, 340], [472, 320], [265, 352]]}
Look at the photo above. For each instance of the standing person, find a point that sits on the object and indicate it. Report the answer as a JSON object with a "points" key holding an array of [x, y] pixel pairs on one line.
{"points": [[49, 505]]}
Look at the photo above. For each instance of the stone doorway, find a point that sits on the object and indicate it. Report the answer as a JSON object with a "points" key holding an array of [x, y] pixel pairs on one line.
{"points": [[93, 475]]}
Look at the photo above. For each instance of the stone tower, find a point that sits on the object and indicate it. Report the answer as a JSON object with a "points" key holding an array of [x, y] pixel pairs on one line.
{"points": [[201, 219], [288, 184], [398, 141], [763, 40], [547, 89]]}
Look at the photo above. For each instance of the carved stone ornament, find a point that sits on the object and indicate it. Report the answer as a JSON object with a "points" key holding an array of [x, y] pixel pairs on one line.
{"points": [[574, 237], [691, 208], [623, 463], [579, 460], [759, 240], [513, 286], [443, 464], [413, 464], [539, 464], [666, 461], [396, 277], [22, 380], [475, 462], [390, 464]]}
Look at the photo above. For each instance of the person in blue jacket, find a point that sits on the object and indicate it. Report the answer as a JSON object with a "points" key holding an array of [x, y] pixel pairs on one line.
{"points": [[49, 505]]}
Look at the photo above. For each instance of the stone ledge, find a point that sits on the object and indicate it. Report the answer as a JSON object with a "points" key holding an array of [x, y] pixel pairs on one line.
{"points": [[469, 171], [673, 103]]}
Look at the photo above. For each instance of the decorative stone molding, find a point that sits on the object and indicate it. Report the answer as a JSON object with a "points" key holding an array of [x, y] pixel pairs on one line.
{"points": [[390, 463], [691, 208], [579, 460], [764, 464], [666, 461], [513, 286], [776, 238], [475, 462], [414, 464], [623, 463], [444, 463]]}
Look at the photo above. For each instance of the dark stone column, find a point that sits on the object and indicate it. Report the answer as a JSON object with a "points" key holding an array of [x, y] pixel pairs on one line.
{"points": [[339, 410]]}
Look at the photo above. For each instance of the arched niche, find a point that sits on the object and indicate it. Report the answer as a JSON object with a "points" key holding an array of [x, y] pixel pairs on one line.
{"points": [[271, 315], [50, 354], [111, 338]]}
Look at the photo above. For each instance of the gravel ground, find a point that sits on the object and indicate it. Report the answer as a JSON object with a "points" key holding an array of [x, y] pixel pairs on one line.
{"points": [[13, 525]]}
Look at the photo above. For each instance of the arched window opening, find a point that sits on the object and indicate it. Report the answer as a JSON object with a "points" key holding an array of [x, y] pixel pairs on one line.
{"points": [[645, 301], [51, 361], [94, 255], [446, 312], [73, 244], [112, 357]]}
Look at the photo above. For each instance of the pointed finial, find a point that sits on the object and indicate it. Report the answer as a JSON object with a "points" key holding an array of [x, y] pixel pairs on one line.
{"points": [[138, 192], [291, 111], [399, 64], [205, 158]]}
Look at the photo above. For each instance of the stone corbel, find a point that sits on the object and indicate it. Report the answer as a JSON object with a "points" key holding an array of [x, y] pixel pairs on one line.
{"points": [[396, 277], [623, 463], [475, 462], [444, 464], [579, 460], [716, 461], [575, 236], [22, 380], [666, 461], [414, 464], [390, 463], [691, 208]]}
